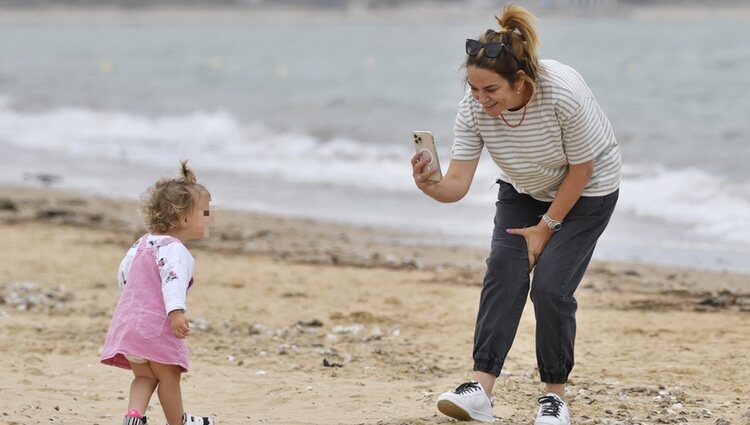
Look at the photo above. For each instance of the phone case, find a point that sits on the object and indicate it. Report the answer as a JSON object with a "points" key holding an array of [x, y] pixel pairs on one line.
{"points": [[424, 142]]}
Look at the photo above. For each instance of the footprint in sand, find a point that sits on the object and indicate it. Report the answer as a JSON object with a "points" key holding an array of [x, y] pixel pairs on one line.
{"points": [[33, 371]]}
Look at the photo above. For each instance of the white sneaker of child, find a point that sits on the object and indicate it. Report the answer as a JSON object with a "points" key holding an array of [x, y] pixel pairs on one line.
{"points": [[134, 417], [188, 419]]}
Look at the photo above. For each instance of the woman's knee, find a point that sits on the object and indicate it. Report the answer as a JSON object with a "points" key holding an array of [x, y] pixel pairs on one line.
{"points": [[554, 286], [543, 293], [507, 260], [547, 285]]}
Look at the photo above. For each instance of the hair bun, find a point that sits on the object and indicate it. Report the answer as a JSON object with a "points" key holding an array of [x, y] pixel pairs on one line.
{"points": [[187, 174]]}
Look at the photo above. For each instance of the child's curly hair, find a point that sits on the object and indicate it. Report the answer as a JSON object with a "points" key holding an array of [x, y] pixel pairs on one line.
{"points": [[168, 200]]}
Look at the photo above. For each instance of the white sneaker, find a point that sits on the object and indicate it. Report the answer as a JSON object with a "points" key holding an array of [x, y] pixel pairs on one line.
{"points": [[467, 402], [552, 411], [188, 419]]}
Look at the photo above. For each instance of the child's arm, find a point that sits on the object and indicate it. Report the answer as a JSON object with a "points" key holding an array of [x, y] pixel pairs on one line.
{"points": [[176, 269], [124, 269]]}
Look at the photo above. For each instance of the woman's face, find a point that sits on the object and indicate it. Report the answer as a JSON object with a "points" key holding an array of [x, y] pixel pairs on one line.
{"points": [[495, 93]]}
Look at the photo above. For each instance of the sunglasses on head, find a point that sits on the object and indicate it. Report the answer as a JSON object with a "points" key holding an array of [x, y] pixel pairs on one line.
{"points": [[491, 50]]}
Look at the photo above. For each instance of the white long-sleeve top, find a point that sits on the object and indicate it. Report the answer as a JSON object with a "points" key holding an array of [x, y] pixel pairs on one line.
{"points": [[175, 265]]}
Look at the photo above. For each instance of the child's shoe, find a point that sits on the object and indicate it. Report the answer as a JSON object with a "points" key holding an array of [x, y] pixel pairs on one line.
{"points": [[134, 417], [188, 419]]}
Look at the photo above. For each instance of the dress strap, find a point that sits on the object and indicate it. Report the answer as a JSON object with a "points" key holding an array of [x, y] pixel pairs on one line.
{"points": [[166, 241], [142, 241]]}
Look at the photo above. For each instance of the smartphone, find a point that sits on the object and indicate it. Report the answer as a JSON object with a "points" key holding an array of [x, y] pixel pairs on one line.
{"points": [[424, 144]]}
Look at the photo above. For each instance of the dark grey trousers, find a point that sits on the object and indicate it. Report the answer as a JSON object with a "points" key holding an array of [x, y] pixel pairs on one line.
{"points": [[559, 270]]}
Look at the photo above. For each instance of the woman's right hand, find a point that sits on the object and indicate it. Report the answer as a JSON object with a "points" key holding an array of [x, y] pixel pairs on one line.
{"points": [[454, 184], [418, 162]]}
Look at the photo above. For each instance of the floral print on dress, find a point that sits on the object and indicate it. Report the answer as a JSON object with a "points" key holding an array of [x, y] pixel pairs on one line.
{"points": [[172, 276], [161, 262]]}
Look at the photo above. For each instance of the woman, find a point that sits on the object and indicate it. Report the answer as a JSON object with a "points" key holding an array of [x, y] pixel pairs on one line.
{"points": [[560, 174]]}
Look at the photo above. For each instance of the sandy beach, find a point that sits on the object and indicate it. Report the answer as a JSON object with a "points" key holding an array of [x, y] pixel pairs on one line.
{"points": [[296, 322]]}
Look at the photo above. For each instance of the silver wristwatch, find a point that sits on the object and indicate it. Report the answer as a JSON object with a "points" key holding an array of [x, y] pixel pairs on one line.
{"points": [[553, 225]]}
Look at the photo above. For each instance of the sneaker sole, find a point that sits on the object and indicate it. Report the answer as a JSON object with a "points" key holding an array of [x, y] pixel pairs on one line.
{"points": [[455, 411], [447, 408]]}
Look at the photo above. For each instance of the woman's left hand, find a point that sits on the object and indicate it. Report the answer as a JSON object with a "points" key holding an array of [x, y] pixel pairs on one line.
{"points": [[536, 240]]}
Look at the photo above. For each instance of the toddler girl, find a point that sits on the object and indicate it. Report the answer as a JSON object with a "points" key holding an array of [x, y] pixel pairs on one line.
{"points": [[148, 329]]}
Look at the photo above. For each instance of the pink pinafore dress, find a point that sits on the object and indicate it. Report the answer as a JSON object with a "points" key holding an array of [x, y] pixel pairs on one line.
{"points": [[140, 326]]}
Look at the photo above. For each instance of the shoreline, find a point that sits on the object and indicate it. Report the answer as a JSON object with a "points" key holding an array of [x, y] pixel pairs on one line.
{"points": [[275, 234], [303, 240], [301, 322]]}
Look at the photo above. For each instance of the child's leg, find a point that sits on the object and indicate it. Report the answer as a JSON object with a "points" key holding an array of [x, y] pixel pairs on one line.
{"points": [[142, 387], [170, 394]]}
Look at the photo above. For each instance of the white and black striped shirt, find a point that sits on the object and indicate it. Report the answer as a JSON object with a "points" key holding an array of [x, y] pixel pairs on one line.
{"points": [[563, 125]]}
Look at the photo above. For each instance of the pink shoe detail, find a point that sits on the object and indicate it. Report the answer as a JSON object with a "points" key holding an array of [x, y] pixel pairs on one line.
{"points": [[134, 413]]}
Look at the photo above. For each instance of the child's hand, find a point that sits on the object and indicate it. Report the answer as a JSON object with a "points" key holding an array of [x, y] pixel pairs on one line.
{"points": [[180, 327]]}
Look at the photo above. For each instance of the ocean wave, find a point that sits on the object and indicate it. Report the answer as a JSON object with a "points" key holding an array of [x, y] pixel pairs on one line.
{"points": [[712, 206], [709, 205], [214, 140]]}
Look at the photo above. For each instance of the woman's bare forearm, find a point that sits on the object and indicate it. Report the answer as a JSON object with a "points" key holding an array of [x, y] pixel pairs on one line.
{"points": [[570, 190], [455, 184]]}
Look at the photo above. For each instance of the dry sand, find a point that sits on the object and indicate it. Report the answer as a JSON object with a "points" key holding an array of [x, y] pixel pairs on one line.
{"points": [[316, 323]]}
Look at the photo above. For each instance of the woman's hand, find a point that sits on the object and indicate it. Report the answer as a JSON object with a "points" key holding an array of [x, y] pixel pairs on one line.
{"points": [[454, 184], [421, 178], [180, 327], [536, 240]]}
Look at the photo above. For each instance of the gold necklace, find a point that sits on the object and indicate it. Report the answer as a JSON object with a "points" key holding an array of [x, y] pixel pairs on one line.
{"points": [[519, 122]]}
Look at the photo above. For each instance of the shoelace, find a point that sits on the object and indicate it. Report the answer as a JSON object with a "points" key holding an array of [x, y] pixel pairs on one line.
{"points": [[467, 387], [550, 406]]}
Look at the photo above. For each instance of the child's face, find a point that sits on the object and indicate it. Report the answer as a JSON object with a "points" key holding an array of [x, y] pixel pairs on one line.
{"points": [[198, 221]]}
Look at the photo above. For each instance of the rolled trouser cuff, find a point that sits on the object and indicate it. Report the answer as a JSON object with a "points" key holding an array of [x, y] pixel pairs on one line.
{"points": [[554, 378], [488, 366]]}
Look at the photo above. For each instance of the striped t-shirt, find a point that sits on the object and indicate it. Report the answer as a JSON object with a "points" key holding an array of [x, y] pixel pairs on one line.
{"points": [[563, 125]]}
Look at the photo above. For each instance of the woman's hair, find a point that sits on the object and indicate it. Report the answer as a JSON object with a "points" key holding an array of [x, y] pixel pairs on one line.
{"points": [[168, 200], [518, 33]]}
